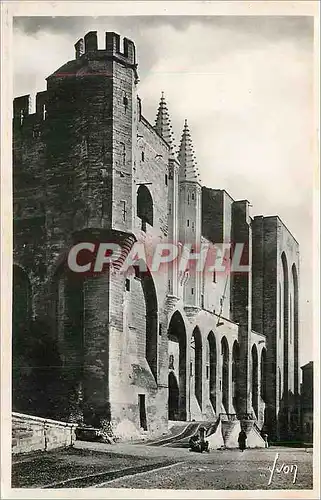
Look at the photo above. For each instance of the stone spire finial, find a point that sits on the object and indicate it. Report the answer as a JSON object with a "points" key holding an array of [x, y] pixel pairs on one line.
{"points": [[163, 125], [186, 156]]}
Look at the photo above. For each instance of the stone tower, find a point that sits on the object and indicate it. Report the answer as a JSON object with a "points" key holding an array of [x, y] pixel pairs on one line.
{"points": [[190, 194], [85, 123]]}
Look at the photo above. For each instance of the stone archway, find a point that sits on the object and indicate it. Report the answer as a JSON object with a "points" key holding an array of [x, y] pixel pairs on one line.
{"points": [[173, 397], [225, 373], [196, 364], [255, 381], [151, 315], [177, 354], [236, 375], [212, 364]]}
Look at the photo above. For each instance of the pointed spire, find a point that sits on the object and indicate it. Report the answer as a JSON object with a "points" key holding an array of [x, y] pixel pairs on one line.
{"points": [[186, 156], [163, 125]]}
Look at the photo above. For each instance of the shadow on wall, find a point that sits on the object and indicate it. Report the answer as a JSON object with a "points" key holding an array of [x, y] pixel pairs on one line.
{"points": [[289, 418], [36, 370]]}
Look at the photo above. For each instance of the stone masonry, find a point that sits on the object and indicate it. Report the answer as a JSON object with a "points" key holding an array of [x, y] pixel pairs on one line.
{"points": [[137, 350]]}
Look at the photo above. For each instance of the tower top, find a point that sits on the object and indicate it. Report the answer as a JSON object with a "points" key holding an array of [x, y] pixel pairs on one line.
{"points": [[186, 156], [163, 125], [89, 44], [86, 50]]}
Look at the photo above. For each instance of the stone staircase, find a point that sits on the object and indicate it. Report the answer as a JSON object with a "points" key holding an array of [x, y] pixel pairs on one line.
{"points": [[233, 423], [221, 433]]}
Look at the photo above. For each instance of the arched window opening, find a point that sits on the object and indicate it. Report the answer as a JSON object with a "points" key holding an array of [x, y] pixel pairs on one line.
{"points": [[196, 357], [255, 382], [225, 373], [212, 361], [145, 206]]}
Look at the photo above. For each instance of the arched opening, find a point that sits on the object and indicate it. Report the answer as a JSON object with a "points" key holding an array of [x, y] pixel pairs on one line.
{"points": [[173, 397], [196, 364], [177, 359], [296, 327], [151, 315], [263, 374], [69, 320], [145, 209], [21, 342], [225, 373], [255, 382], [236, 375], [212, 364], [285, 324], [34, 354]]}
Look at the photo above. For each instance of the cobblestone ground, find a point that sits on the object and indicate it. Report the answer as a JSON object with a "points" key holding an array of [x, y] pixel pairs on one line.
{"points": [[138, 466], [229, 469]]}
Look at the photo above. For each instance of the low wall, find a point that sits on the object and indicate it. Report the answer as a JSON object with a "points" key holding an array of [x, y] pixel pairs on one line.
{"points": [[31, 433]]}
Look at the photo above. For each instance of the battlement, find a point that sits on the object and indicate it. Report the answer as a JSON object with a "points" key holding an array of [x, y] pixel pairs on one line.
{"points": [[89, 45], [22, 106]]}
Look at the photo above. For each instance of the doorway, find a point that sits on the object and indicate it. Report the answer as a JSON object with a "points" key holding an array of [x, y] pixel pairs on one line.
{"points": [[142, 411]]}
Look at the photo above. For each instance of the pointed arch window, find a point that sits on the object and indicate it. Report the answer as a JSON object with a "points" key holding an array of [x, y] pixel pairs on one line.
{"points": [[145, 209]]}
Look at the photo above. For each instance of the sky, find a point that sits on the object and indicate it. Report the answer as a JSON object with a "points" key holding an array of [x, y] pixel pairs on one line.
{"points": [[245, 85]]}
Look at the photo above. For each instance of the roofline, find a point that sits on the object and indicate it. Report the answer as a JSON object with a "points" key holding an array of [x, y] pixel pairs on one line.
{"points": [[221, 190], [310, 363], [281, 221], [150, 126]]}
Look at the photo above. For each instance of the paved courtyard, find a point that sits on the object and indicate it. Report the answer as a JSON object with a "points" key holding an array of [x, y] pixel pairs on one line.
{"points": [[139, 466]]}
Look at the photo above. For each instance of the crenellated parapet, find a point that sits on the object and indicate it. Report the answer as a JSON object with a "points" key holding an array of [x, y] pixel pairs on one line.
{"points": [[124, 50], [26, 122]]}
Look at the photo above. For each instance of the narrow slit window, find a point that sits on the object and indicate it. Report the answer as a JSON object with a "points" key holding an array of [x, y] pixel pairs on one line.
{"points": [[123, 153], [123, 210], [166, 179]]}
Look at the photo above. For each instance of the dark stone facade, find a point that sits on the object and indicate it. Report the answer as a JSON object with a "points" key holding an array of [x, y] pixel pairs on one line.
{"points": [[95, 348]]}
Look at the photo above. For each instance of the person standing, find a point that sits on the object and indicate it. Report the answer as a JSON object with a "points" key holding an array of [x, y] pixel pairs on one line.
{"points": [[265, 437], [242, 440]]}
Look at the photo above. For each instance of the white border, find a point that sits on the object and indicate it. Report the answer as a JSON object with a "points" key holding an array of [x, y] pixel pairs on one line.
{"points": [[130, 8]]}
